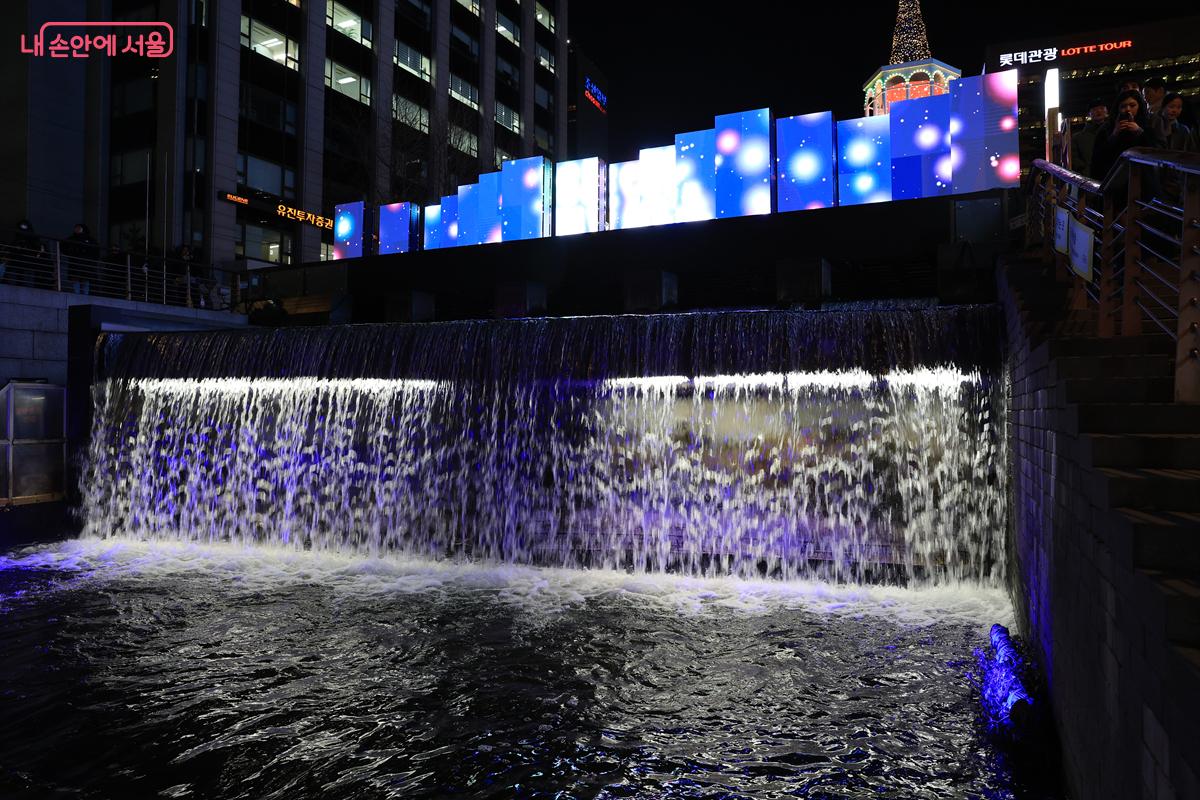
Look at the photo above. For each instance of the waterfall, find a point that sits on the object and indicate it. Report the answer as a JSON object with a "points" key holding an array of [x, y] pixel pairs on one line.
{"points": [[849, 445]]}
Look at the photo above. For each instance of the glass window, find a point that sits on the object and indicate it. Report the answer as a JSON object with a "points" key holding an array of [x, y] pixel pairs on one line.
{"points": [[544, 17], [129, 167], [267, 108], [463, 140], [132, 97], [412, 60], [506, 69], [470, 5], [414, 115], [348, 23], [466, 40], [464, 92], [508, 118], [270, 43], [545, 57], [543, 137], [266, 176], [501, 157], [543, 97], [508, 29], [263, 244], [348, 82]]}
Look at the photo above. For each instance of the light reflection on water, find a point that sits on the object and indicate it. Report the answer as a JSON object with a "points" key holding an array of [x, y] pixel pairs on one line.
{"points": [[129, 669]]}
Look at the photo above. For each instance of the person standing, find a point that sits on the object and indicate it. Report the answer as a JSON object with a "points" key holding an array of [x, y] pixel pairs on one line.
{"points": [[1176, 136], [1084, 142], [80, 251], [1130, 126]]}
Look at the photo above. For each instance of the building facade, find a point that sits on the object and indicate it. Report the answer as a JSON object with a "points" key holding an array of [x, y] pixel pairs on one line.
{"points": [[271, 112]]}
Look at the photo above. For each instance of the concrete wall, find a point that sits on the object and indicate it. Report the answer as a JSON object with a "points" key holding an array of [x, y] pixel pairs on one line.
{"points": [[33, 328], [1123, 692]]}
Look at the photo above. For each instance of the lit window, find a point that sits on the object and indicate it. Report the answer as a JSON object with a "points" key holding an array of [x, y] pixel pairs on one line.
{"points": [[508, 29], [508, 118], [270, 43], [545, 58], [501, 157], [410, 59], [463, 140], [414, 115], [265, 176], [348, 23], [464, 92], [263, 244], [470, 5], [348, 82], [544, 17]]}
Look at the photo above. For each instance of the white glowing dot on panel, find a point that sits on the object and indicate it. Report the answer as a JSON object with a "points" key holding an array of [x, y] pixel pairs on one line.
{"points": [[757, 201], [859, 153], [532, 176], [955, 125], [804, 165], [927, 137], [728, 141], [753, 156], [452, 231], [864, 182], [344, 226]]}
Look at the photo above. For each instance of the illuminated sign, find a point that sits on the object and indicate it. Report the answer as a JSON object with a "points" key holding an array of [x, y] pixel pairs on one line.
{"points": [[348, 230], [743, 162], [159, 42], [287, 212], [398, 226], [805, 159], [864, 160], [1039, 54], [596, 97], [234, 198], [579, 190]]}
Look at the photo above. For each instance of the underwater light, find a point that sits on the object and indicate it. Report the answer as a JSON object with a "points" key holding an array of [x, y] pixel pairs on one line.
{"points": [[1006, 703]]}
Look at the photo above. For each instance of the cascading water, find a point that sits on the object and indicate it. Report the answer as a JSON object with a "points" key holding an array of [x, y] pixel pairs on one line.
{"points": [[750, 443]]}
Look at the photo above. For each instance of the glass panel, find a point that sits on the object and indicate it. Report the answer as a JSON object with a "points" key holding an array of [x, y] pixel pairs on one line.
{"points": [[37, 412], [269, 42], [508, 118], [348, 23], [348, 82], [37, 469], [4, 491], [264, 175], [508, 29], [412, 60], [544, 17]]}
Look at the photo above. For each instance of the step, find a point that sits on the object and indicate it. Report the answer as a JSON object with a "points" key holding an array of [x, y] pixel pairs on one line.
{"points": [[1120, 390], [1180, 598], [1097, 347], [1180, 450], [1153, 489], [1153, 365], [1164, 540], [1137, 418]]}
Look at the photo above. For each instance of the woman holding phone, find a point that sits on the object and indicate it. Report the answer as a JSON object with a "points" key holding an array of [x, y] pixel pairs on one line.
{"points": [[1128, 126]]}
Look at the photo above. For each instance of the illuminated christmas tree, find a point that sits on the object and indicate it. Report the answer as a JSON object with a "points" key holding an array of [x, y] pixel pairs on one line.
{"points": [[909, 42]]}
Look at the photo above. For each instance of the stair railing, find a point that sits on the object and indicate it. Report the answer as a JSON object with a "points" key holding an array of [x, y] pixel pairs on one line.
{"points": [[1129, 248]]}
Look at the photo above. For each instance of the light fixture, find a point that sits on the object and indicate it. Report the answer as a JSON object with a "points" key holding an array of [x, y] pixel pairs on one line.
{"points": [[272, 42], [344, 81], [347, 23]]}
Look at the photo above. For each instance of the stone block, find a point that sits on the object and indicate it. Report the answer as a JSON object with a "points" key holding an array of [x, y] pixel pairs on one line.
{"points": [[50, 346], [16, 344], [15, 316]]}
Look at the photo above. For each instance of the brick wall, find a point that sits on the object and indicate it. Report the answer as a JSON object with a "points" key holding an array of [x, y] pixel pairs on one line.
{"points": [[1122, 695]]}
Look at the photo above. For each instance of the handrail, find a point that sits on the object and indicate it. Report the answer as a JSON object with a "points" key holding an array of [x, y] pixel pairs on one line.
{"points": [[1141, 226]]}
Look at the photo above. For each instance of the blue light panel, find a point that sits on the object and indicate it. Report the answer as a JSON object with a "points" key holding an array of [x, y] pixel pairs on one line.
{"points": [[348, 230], [695, 176], [864, 161], [807, 164], [398, 226], [743, 143]]}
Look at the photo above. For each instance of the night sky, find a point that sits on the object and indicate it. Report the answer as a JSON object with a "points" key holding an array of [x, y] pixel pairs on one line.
{"points": [[672, 66]]}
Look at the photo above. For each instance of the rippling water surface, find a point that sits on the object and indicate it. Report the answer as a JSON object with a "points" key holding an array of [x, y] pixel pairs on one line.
{"points": [[169, 670]]}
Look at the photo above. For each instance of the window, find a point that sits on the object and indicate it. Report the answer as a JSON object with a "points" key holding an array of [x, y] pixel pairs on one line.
{"points": [[501, 157], [507, 70], [470, 5], [544, 17], [414, 115], [545, 57], [267, 108], [543, 137], [256, 243], [132, 97], [464, 92], [463, 140], [508, 29], [508, 118], [326, 251], [127, 168], [469, 42], [348, 23], [270, 43], [266, 176], [410, 59], [348, 82], [543, 97]]}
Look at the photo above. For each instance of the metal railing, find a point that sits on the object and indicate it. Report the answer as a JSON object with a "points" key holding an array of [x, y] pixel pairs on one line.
{"points": [[66, 266], [1129, 246]]}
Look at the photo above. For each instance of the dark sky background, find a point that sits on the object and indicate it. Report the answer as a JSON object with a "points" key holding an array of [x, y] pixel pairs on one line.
{"points": [[671, 66]]}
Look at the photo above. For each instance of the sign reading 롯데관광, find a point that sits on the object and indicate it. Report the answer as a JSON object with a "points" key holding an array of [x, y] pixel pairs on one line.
{"points": [[1083, 240]]}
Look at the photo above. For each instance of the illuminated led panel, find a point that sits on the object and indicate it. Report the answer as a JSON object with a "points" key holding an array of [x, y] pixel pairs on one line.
{"points": [[743, 161], [625, 195], [696, 176], [983, 132], [805, 155], [449, 227], [921, 162], [864, 161], [580, 196], [433, 227], [468, 216], [528, 208], [658, 185], [491, 227], [398, 225], [348, 230]]}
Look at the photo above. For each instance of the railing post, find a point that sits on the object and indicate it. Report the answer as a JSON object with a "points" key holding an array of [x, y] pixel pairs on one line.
{"points": [[1131, 313], [1079, 295], [164, 280], [128, 276], [58, 266], [1187, 353], [187, 267], [1106, 324]]}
